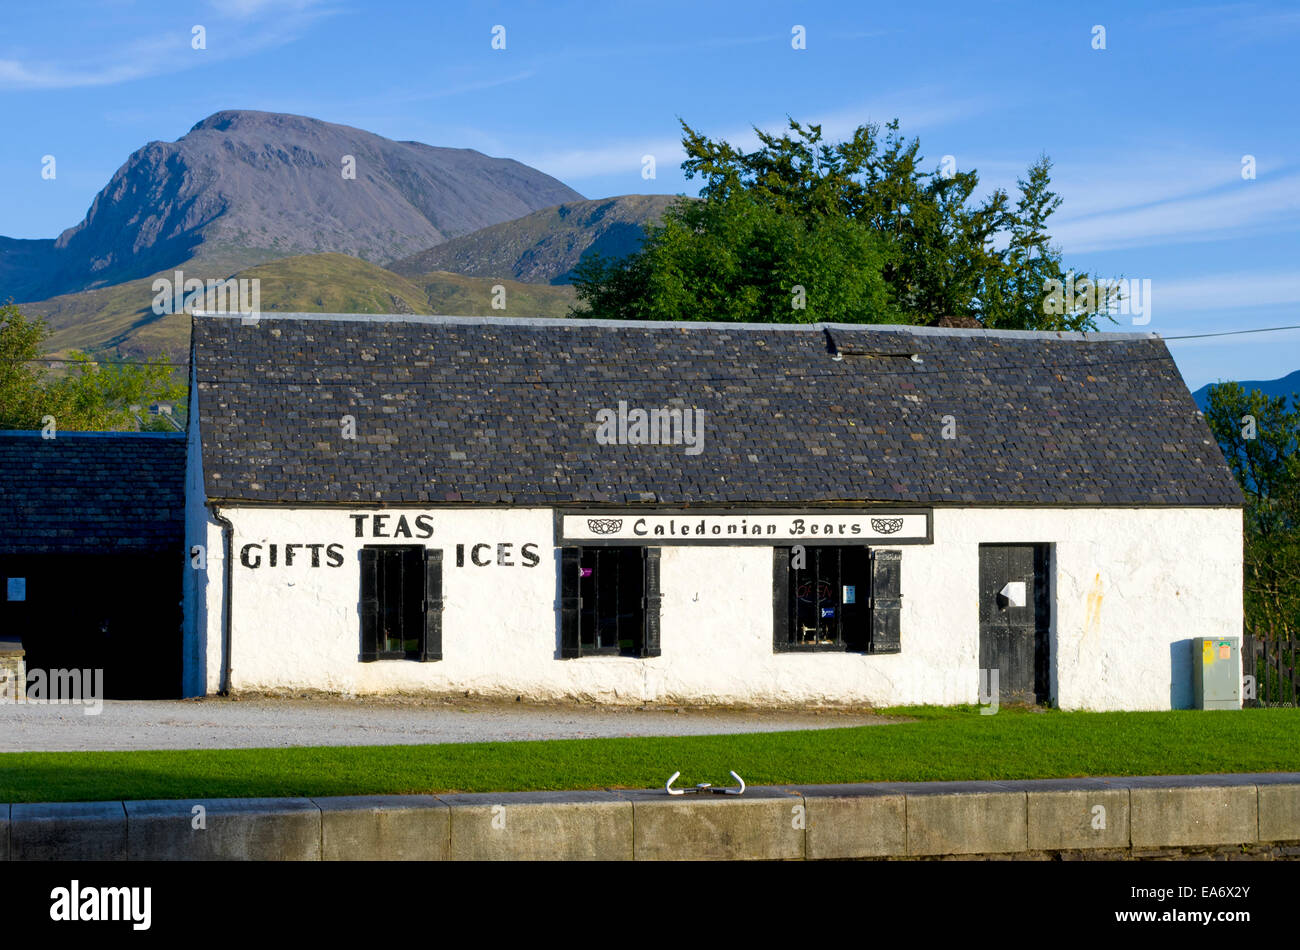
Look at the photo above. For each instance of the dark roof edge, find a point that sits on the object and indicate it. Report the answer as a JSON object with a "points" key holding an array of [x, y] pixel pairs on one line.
{"points": [[1099, 337], [61, 434], [714, 507]]}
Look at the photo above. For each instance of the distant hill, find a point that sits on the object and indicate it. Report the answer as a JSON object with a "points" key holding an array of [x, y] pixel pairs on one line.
{"points": [[545, 246], [461, 295], [336, 283], [242, 188], [120, 321], [1286, 386]]}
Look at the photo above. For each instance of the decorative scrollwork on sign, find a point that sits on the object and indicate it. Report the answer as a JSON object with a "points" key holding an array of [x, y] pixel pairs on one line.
{"points": [[604, 525], [886, 525]]}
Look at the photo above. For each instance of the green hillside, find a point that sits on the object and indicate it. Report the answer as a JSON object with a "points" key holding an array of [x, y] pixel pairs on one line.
{"points": [[333, 283], [336, 283], [120, 321], [458, 295]]}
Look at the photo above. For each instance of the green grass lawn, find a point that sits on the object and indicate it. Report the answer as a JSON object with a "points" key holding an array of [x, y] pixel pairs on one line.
{"points": [[942, 743]]}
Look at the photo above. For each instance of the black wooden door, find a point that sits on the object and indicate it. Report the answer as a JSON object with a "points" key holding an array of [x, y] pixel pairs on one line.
{"points": [[1014, 638]]}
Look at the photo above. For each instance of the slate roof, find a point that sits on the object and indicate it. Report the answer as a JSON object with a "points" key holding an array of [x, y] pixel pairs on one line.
{"points": [[464, 410], [92, 492]]}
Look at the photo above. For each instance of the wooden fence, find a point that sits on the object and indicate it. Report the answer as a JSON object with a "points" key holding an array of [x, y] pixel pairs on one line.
{"points": [[1271, 664]]}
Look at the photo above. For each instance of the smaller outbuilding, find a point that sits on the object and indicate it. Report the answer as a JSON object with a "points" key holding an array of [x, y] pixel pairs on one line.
{"points": [[92, 555]]}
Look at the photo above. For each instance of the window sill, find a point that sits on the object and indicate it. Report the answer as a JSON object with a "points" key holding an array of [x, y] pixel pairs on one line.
{"points": [[820, 648]]}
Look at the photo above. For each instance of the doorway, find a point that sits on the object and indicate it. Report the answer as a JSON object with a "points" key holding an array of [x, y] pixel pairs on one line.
{"points": [[1015, 620], [120, 613]]}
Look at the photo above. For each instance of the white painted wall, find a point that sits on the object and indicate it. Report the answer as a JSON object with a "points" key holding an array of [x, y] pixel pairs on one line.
{"points": [[202, 589], [1131, 587]]}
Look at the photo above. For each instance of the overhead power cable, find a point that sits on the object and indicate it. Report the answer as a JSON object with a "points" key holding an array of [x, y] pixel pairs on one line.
{"points": [[369, 364]]}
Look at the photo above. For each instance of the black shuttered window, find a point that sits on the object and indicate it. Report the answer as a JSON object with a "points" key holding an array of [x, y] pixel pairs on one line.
{"points": [[831, 598], [609, 601], [401, 603]]}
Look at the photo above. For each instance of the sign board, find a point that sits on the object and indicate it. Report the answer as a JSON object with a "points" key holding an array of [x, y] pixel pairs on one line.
{"points": [[837, 526], [16, 588], [1014, 592]]}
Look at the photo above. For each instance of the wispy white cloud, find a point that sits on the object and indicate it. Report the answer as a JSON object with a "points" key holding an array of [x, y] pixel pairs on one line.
{"points": [[622, 157], [628, 51], [917, 110], [1258, 342], [263, 24], [1143, 181], [1234, 290], [1228, 302], [1147, 198], [132, 61], [1237, 23], [699, 41], [1254, 207], [1265, 27], [247, 9]]}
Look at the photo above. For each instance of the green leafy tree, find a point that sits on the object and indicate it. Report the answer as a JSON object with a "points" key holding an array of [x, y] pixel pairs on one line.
{"points": [[738, 259], [106, 396], [91, 396], [868, 234], [20, 375], [1258, 436], [1014, 295]]}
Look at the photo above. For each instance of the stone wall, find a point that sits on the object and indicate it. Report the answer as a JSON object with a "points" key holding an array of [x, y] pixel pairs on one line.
{"points": [[1146, 818], [13, 671]]}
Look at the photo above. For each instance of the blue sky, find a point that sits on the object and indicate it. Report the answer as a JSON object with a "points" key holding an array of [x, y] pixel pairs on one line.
{"points": [[1147, 135]]}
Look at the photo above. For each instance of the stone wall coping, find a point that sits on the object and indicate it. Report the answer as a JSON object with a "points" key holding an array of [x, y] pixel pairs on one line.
{"points": [[870, 819], [168, 808], [1050, 784], [577, 796]]}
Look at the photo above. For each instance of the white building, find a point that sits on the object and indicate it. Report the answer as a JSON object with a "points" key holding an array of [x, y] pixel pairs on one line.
{"points": [[692, 512]]}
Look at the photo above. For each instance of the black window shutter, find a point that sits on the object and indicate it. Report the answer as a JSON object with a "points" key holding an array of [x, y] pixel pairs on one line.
{"points": [[855, 616], [431, 648], [886, 601], [369, 604], [570, 601], [650, 641], [780, 600]]}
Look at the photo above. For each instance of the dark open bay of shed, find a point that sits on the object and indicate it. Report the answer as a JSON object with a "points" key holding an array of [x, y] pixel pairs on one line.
{"points": [[92, 554]]}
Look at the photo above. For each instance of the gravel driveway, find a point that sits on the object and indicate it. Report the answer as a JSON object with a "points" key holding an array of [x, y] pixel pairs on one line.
{"points": [[216, 723]]}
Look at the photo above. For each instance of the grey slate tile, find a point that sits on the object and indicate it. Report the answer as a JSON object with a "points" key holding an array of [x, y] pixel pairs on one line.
{"points": [[506, 410], [100, 492]]}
